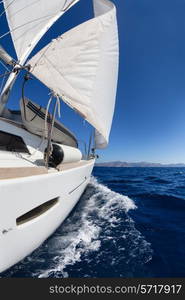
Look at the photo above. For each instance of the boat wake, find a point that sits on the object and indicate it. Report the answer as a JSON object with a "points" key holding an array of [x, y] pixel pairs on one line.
{"points": [[99, 230]]}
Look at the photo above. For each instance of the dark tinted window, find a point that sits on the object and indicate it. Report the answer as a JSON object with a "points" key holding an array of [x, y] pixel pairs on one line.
{"points": [[37, 211], [11, 142]]}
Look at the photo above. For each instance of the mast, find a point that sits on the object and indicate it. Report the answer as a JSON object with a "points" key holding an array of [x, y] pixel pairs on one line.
{"points": [[9, 83], [6, 92], [7, 89], [7, 59]]}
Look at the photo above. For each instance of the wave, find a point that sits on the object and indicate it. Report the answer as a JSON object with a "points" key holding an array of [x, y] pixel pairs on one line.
{"points": [[118, 181], [161, 197], [157, 180], [162, 181], [80, 234]]}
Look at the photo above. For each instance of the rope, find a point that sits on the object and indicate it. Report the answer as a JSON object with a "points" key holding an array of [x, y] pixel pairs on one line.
{"points": [[45, 129], [45, 133], [26, 78], [50, 126], [47, 109], [57, 105]]}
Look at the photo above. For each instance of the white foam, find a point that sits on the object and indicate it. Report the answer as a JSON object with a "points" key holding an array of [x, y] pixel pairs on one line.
{"points": [[81, 232], [78, 242], [112, 200]]}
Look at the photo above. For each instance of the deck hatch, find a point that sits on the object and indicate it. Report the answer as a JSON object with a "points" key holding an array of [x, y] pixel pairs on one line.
{"points": [[37, 211]]}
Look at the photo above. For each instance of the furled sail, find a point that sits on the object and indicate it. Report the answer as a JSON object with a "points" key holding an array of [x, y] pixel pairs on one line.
{"points": [[81, 66], [28, 20]]}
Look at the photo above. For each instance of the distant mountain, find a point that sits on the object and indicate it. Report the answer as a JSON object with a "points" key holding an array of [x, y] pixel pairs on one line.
{"points": [[142, 164]]}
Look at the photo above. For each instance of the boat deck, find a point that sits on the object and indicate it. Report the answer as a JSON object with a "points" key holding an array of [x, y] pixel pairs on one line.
{"points": [[17, 172]]}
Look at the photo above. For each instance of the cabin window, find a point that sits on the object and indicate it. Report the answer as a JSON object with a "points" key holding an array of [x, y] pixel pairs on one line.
{"points": [[37, 211], [11, 142]]}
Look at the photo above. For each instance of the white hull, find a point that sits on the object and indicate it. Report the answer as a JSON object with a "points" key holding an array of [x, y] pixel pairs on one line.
{"points": [[20, 195]]}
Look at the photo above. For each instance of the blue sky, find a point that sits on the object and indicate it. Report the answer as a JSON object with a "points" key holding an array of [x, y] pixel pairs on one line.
{"points": [[149, 119]]}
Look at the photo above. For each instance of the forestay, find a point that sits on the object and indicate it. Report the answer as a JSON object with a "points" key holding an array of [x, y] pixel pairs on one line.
{"points": [[28, 20], [81, 66]]}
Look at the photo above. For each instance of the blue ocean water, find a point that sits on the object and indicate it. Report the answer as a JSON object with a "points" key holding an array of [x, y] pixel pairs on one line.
{"points": [[130, 222]]}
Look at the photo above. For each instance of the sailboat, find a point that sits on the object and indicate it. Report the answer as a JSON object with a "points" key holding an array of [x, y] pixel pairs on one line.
{"points": [[43, 172]]}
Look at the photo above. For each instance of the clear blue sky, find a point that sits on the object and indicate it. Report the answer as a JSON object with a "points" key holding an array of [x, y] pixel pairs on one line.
{"points": [[149, 120]]}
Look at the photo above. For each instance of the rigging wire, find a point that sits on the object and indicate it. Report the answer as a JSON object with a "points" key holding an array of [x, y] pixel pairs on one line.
{"points": [[6, 8], [5, 74], [18, 27], [18, 10], [32, 21], [4, 65]]}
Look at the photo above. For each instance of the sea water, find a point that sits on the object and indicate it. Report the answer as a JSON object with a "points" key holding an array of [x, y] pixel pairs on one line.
{"points": [[130, 222]]}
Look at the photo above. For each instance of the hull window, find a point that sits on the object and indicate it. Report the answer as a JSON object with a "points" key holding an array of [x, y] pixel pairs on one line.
{"points": [[11, 142], [36, 212]]}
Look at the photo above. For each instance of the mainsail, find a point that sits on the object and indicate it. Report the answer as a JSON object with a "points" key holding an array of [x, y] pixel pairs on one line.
{"points": [[81, 66], [28, 20]]}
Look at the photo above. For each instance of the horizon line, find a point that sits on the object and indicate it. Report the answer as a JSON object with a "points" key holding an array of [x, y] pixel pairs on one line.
{"points": [[141, 162]]}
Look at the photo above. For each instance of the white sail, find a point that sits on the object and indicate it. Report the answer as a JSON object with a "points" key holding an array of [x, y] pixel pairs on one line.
{"points": [[28, 20], [81, 66]]}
